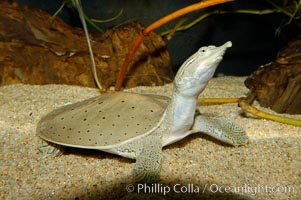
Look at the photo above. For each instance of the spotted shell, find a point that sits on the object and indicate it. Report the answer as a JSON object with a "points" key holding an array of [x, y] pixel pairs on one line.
{"points": [[104, 121]]}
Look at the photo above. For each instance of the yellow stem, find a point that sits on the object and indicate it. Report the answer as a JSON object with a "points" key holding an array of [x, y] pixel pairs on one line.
{"points": [[249, 109], [217, 100]]}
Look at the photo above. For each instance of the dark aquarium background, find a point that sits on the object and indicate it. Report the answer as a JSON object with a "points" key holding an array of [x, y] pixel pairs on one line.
{"points": [[254, 37]]}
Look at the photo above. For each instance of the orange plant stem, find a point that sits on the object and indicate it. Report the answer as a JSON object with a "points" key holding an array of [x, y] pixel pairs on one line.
{"points": [[156, 24], [127, 62], [181, 12]]}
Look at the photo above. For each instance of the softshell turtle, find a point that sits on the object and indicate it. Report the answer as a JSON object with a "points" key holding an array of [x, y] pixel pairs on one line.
{"points": [[137, 126]]}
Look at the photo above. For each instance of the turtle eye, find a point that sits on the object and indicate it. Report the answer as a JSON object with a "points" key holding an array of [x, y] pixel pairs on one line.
{"points": [[202, 50]]}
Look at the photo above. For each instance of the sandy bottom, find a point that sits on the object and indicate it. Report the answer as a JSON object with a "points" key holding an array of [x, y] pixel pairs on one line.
{"points": [[196, 168]]}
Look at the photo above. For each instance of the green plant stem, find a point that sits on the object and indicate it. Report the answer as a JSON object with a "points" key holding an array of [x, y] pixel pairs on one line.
{"points": [[93, 24], [297, 9], [60, 9], [81, 16], [108, 20], [88, 19], [202, 17], [284, 11]]}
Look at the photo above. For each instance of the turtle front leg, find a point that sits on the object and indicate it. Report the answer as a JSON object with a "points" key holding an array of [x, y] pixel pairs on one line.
{"points": [[220, 129], [148, 161]]}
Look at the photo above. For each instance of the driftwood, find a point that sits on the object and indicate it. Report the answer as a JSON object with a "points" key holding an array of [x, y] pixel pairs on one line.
{"points": [[278, 84], [36, 48]]}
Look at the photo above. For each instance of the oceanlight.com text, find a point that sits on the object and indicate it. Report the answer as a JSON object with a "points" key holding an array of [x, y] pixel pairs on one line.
{"points": [[159, 188]]}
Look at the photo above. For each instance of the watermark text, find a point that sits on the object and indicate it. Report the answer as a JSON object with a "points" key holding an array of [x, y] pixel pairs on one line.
{"points": [[158, 188]]}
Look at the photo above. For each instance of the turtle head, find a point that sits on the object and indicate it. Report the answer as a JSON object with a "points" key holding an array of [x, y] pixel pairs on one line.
{"points": [[198, 69]]}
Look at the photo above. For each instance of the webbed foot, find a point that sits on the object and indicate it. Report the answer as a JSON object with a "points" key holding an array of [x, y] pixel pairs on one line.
{"points": [[221, 129], [49, 148]]}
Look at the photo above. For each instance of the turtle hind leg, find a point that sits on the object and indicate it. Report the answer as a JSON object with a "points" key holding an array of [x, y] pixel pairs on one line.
{"points": [[49, 148], [148, 162], [221, 129]]}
